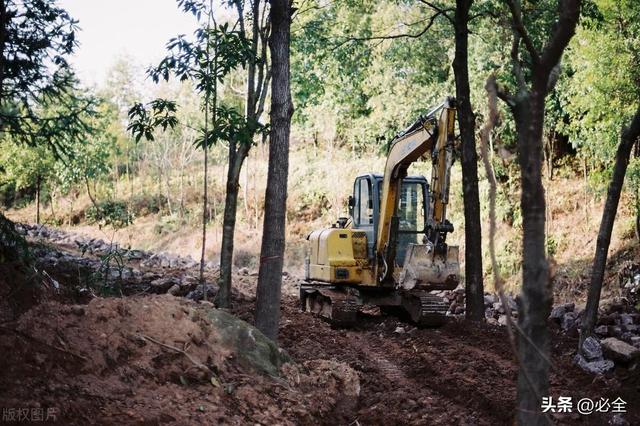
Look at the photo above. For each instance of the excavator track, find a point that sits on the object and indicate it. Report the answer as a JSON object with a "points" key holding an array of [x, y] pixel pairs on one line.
{"points": [[337, 307], [426, 310]]}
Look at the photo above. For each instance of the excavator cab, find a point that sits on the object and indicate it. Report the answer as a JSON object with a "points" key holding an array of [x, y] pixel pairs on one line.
{"points": [[413, 204]]}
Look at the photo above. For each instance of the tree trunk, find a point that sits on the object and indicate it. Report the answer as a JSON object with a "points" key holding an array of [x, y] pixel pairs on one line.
{"points": [[38, 182], [628, 138], [273, 235], [3, 36], [236, 159], [536, 297], [474, 286], [253, 110]]}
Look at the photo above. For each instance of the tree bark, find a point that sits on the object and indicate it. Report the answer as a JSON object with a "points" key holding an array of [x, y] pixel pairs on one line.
{"points": [[536, 296], [273, 235], [236, 159], [629, 137], [38, 182], [474, 286], [527, 107]]}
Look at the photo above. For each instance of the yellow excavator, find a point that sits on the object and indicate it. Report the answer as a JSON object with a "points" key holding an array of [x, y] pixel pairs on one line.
{"points": [[391, 252]]}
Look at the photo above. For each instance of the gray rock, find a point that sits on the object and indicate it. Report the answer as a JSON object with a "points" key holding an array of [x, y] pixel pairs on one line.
{"points": [[490, 299], [618, 420], [162, 285], [615, 330], [198, 293], [498, 307], [626, 319], [619, 351], [602, 330], [635, 341], [558, 312], [502, 320], [591, 349], [174, 290], [568, 321], [594, 367]]}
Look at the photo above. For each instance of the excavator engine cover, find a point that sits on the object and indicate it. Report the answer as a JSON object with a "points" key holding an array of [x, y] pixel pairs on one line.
{"points": [[425, 269]]}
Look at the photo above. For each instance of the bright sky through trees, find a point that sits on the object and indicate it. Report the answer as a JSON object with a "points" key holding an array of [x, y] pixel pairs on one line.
{"points": [[114, 28]]}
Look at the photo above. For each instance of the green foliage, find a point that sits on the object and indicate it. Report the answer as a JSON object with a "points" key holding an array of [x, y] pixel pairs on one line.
{"points": [[213, 54], [22, 165], [114, 213], [37, 101], [601, 90], [351, 86]]}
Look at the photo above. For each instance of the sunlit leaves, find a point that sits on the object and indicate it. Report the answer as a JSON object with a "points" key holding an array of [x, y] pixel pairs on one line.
{"points": [[144, 119]]}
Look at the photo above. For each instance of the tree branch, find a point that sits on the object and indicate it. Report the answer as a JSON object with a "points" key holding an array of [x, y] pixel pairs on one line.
{"points": [[564, 30], [393, 36], [518, 26], [440, 10], [515, 62]]}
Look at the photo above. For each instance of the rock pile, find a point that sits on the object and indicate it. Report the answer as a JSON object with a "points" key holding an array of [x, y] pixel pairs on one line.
{"points": [[131, 270]]}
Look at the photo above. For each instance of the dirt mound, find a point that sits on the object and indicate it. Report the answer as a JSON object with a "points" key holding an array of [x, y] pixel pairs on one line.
{"points": [[160, 359]]}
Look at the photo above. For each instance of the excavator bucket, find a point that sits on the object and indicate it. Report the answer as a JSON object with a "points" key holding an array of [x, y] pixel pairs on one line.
{"points": [[427, 270]]}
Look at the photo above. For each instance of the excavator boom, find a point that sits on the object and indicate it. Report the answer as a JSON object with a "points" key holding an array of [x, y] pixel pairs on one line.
{"points": [[430, 134]]}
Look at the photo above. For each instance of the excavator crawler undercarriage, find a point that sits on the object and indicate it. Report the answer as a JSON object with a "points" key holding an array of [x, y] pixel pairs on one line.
{"points": [[340, 304]]}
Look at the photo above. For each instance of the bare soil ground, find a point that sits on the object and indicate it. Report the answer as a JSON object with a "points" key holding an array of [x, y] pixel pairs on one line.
{"points": [[109, 362]]}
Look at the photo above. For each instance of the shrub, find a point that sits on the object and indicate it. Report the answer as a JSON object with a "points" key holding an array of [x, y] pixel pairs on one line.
{"points": [[109, 212]]}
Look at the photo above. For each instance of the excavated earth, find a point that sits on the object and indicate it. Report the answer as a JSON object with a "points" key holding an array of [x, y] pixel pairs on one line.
{"points": [[162, 359]]}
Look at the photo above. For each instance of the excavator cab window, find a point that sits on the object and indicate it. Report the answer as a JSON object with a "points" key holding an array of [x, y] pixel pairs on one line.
{"points": [[363, 207], [412, 212]]}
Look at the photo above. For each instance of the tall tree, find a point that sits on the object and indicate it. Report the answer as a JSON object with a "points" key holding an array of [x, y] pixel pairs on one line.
{"points": [[258, 76], [474, 286], [217, 50], [535, 72], [273, 234], [630, 136]]}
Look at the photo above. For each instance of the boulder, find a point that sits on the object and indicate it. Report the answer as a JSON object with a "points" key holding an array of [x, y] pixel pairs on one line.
{"points": [[197, 293], [602, 330], [162, 285], [558, 312], [594, 367], [490, 299], [568, 321], [251, 347], [591, 349], [619, 351], [626, 319]]}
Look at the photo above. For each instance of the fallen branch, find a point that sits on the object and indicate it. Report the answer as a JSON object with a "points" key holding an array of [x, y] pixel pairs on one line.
{"points": [[173, 348]]}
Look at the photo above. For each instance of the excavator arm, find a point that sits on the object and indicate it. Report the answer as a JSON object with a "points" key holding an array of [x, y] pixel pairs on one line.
{"points": [[433, 135]]}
